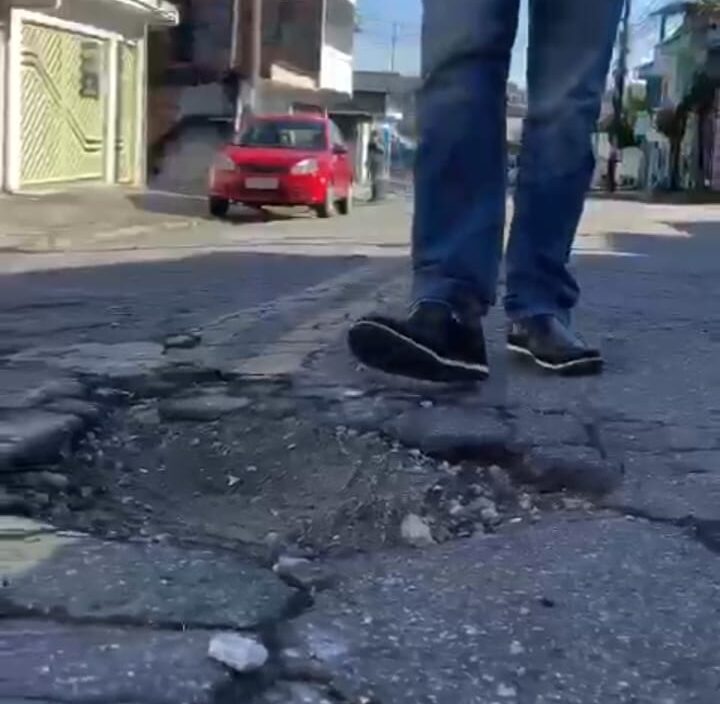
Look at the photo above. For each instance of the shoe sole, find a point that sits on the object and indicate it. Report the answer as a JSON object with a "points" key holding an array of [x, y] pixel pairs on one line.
{"points": [[575, 367], [380, 347]]}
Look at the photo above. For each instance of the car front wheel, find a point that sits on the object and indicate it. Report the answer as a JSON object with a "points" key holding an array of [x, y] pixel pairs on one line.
{"points": [[218, 207], [327, 209], [345, 204]]}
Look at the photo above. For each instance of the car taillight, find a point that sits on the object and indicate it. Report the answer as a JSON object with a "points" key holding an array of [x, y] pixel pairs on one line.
{"points": [[306, 166], [223, 162]]}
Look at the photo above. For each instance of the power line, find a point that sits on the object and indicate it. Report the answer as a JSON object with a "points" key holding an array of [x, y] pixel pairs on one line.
{"points": [[391, 35]]}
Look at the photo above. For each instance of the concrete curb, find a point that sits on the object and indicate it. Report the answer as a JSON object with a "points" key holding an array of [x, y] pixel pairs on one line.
{"points": [[64, 239]]}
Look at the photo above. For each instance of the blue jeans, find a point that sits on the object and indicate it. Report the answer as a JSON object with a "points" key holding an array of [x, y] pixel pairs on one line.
{"points": [[460, 186]]}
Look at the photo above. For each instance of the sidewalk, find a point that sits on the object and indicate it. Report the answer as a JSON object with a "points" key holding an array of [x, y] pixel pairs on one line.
{"points": [[80, 217], [90, 217]]}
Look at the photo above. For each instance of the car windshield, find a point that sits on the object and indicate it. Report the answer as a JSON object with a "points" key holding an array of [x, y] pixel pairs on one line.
{"points": [[285, 134]]}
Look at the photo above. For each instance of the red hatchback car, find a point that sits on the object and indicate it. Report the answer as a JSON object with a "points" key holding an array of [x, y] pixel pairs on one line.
{"points": [[293, 160]]}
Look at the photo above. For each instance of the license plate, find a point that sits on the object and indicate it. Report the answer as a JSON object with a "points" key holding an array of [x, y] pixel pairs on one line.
{"points": [[262, 184]]}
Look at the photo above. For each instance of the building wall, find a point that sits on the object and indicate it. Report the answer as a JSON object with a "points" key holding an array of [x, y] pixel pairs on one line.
{"points": [[292, 35], [75, 96], [102, 16], [336, 70], [715, 176], [4, 15], [339, 30], [211, 32]]}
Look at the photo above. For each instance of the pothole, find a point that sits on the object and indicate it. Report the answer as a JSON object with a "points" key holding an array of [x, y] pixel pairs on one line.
{"points": [[274, 471]]}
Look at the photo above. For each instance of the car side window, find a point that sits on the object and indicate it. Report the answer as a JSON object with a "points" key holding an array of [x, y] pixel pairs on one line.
{"points": [[336, 136]]}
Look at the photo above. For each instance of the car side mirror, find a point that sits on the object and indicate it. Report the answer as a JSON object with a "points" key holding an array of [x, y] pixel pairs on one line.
{"points": [[340, 149]]}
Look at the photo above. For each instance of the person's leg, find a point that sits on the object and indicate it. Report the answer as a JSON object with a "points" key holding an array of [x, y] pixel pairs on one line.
{"points": [[460, 169], [568, 58], [459, 197]]}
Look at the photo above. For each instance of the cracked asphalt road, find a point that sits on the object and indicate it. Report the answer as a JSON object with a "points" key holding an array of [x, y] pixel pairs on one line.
{"points": [[563, 600]]}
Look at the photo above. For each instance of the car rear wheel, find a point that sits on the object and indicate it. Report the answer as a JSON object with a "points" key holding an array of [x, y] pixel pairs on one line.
{"points": [[327, 209], [218, 207], [345, 204]]}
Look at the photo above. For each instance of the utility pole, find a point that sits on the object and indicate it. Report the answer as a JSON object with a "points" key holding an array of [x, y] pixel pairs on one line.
{"points": [[619, 95], [246, 55], [394, 39], [234, 64], [255, 50]]}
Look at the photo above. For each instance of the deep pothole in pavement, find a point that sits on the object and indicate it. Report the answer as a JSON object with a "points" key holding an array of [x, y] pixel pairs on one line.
{"points": [[277, 470]]}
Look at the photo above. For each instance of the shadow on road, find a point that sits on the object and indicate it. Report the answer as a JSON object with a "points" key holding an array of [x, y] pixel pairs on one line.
{"points": [[194, 205], [137, 300]]}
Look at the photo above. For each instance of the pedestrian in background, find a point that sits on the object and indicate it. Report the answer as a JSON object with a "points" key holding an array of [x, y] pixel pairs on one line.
{"points": [[376, 165], [460, 188]]}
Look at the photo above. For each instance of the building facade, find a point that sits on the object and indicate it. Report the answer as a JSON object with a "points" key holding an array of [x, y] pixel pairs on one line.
{"points": [[201, 81], [683, 78], [72, 91], [306, 54]]}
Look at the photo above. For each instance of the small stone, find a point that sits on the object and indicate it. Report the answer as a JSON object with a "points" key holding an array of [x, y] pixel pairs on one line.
{"points": [[89, 412], [506, 691], [502, 484], [232, 480], [525, 502], [490, 517], [304, 574], [272, 539], [516, 648], [573, 504], [298, 665], [145, 415], [37, 480], [184, 341], [480, 504], [205, 407], [296, 693], [456, 509], [238, 652], [32, 437], [426, 404], [416, 532]]}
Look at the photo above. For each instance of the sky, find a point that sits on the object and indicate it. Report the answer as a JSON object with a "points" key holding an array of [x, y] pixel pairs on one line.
{"points": [[373, 44]]}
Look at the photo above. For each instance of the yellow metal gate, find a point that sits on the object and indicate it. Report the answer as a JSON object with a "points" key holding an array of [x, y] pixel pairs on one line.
{"points": [[126, 143], [64, 105]]}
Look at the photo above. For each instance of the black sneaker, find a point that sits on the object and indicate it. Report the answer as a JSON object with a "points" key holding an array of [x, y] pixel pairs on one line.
{"points": [[432, 345], [553, 346]]}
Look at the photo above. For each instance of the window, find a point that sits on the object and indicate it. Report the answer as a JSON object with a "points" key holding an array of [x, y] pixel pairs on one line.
{"points": [[285, 134], [336, 136], [90, 67]]}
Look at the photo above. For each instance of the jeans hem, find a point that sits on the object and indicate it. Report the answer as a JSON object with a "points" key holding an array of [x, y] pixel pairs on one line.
{"points": [[464, 299]]}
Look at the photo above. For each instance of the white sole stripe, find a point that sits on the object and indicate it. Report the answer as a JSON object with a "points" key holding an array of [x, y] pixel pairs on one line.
{"points": [[451, 363], [554, 367]]}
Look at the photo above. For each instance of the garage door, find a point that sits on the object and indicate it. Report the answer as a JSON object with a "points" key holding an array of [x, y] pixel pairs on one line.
{"points": [[63, 105]]}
